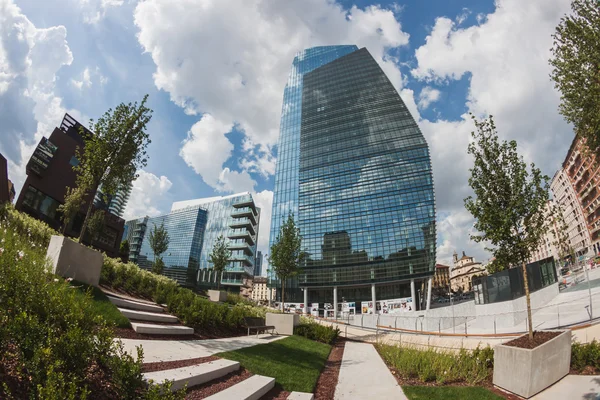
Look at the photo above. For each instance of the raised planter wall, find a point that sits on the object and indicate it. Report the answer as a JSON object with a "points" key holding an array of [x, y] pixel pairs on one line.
{"points": [[284, 323], [529, 371], [217, 295], [73, 260]]}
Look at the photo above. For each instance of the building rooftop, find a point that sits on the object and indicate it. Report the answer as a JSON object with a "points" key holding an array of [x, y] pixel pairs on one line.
{"points": [[195, 202]]}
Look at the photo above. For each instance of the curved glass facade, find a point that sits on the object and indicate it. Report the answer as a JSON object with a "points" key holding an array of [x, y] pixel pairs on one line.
{"points": [[365, 200]]}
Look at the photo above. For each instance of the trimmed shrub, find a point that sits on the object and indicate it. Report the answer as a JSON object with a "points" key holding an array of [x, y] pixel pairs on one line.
{"points": [[470, 367], [317, 332], [53, 345], [585, 355], [234, 299]]}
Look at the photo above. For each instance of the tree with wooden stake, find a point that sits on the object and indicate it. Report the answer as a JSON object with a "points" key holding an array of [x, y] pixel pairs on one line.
{"points": [[576, 69], [112, 154], [74, 200], [286, 256], [219, 257], [509, 201], [159, 243]]}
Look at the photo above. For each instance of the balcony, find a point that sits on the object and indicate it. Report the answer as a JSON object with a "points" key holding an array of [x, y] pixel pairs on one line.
{"points": [[242, 258], [242, 223], [241, 246], [245, 212], [246, 201], [241, 234]]}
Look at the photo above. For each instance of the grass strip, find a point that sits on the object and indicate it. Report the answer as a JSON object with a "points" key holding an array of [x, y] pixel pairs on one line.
{"points": [[295, 362], [448, 393], [101, 305]]}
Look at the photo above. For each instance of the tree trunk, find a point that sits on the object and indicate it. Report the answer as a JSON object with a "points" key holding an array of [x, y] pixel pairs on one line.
{"points": [[219, 280], [282, 295], [528, 299], [85, 221]]}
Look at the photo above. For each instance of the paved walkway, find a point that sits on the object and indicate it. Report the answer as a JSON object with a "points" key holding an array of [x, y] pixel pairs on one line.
{"points": [[363, 375], [572, 387], [173, 350]]}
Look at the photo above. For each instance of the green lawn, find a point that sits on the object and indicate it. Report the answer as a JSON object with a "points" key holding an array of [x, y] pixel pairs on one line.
{"points": [[103, 306], [448, 393], [295, 362]]}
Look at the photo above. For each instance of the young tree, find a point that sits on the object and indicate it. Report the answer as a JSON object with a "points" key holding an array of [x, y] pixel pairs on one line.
{"points": [[561, 235], [124, 250], [286, 256], [159, 243], [74, 200], [509, 201], [576, 69], [96, 224], [219, 257], [113, 153]]}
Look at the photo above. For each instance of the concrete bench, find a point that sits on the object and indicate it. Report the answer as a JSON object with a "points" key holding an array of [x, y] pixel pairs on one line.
{"points": [[258, 324]]}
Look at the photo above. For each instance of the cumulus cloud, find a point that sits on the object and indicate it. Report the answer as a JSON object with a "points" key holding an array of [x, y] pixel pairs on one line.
{"points": [[146, 189], [427, 96], [30, 58], [506, 56], [85, 81], [94, 11], [238, 64], [264, 200]]}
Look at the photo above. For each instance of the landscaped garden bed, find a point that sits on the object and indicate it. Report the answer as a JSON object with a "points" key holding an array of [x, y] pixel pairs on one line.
{"points": [[325, 388]]}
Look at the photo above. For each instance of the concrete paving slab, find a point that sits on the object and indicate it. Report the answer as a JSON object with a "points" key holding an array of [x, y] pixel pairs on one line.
{"points": [[153, 329], [172, 350], [148, 316], [135, 305], [573, 387], [364, 375], [252, 388], [300, 396], [194, 374]]}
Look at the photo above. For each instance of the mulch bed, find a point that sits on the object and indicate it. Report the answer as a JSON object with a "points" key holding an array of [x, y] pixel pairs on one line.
{"points": [[209, 388], [325, 388], [163, 365], [588, 370], [277, 393], [539, 338]]}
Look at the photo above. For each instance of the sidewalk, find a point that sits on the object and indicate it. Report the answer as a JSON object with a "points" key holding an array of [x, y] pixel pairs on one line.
{"points": [[572, 387], [364, 375], [173, 350]]}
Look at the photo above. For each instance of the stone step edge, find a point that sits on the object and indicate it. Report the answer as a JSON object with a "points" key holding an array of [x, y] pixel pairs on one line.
{"points": [[152, 329], [252, 388], [147, 316], [301, 396], [134, 305], [193, 375]]}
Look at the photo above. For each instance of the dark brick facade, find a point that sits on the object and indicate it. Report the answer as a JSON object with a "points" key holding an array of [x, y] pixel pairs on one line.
{"points": [[49, 174], [4, 191]]}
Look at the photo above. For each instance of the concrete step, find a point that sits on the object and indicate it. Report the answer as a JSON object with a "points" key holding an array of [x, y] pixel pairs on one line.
{"points": [[134, 305], [252, 388], [148, 316], [194, 374], [153, 329], [301, 396]]}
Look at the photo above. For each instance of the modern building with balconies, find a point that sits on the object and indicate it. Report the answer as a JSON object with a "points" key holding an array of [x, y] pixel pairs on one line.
{"points": [[134, 233], [236, 218]]}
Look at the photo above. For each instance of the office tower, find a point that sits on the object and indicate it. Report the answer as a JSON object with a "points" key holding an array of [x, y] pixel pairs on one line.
{"points": [[258, 265], [134, 233], [114, 204], [354, 169]]}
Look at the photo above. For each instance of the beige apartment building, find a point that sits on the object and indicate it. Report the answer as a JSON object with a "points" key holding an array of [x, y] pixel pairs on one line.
{"points": [[260, 292], [547, 247]]}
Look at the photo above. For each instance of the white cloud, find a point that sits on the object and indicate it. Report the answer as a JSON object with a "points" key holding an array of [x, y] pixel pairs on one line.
{"points": [[30, 58], [94, 11], [147, 190], [240, 59], [427, 96], [506, 56], [85, 81], [233, 181]]}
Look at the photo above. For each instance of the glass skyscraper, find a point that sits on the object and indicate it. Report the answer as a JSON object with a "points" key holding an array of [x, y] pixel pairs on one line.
{"points": [[355, 170]]}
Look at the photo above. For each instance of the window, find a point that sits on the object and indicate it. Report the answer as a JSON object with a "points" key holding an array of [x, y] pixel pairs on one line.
{"points": [[41, 203], [74, 161]]}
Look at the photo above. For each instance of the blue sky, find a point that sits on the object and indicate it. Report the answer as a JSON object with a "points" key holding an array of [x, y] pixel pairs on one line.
{"points": [[215, 72]]}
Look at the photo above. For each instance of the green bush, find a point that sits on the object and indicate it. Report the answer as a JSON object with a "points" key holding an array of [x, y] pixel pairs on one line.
{"points": [[192, 310], [470, 367], [585, 355], [37, 232], [53, 345], [234, 299], [317, 332]]}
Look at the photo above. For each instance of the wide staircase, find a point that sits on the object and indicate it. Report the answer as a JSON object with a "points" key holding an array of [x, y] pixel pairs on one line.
{"points": [[252, 388], [142, 314]]}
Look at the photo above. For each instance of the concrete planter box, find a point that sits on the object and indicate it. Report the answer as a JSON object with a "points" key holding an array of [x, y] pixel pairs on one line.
{"points": [[284, 323], [73, 260], [526, 372], [217, 296]]}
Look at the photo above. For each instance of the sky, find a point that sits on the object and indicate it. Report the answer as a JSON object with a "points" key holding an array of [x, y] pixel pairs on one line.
{"points": [[215, 71]]}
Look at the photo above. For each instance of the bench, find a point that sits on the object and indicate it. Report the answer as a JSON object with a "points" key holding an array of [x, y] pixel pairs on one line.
{"points": [[258, 324]]}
